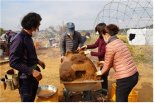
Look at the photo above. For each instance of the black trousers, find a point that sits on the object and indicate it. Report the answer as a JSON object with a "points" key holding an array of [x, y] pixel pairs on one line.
{"points": [[124, 87], [28, 88], [105, 83]]}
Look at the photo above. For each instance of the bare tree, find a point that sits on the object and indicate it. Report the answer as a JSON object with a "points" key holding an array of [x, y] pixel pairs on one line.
{"points": [[61, 28]]}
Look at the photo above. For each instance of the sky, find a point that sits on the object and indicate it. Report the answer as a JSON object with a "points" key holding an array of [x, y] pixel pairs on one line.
{"points": [[53, 12], [81, 12]]}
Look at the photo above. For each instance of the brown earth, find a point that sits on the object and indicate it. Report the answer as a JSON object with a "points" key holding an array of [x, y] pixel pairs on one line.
{"points": [[51, 57]]}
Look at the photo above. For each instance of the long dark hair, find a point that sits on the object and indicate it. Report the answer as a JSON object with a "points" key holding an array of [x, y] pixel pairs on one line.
{"points": [[100, 29]]}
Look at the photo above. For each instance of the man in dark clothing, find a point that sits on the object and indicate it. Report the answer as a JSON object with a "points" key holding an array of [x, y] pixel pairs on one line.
{"points": [[85, 37], [70, 40], [23, 58], [8, 35]]}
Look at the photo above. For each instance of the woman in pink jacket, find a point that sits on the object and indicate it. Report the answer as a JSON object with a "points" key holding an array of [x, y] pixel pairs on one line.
{"points": [[119, 57]]}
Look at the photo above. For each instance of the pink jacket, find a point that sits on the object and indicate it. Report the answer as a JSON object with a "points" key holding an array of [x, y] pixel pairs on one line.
{"points": [[119, 57]]}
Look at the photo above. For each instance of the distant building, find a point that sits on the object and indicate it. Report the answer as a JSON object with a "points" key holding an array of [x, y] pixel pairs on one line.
{"points": [[53, 42], [140, 36]]}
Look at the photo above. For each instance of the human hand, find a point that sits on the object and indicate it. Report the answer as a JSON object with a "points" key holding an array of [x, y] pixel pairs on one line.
{"points": [[99, 73], [42, 64], [83, 47], [36, 74], [87, 52], [100, 63]]}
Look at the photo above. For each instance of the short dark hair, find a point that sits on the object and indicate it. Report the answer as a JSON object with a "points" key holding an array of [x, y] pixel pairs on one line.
{"points": [[100, 28], [112, 29], [31, 20]]}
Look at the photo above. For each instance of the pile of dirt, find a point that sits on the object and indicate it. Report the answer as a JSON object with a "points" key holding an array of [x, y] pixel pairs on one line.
{"points": [[76, 66]]}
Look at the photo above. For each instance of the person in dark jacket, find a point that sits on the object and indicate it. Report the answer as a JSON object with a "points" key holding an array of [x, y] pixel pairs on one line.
{"points": [[100, 44], [23, 58], [85, 37], [70, 40], [8, 36]]}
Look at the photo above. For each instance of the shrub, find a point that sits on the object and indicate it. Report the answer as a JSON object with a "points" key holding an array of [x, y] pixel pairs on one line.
{"points": [[123, 37], [140, 53]]}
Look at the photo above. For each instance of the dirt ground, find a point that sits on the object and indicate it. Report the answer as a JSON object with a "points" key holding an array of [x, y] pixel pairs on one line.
{"points": [[51, 57]]}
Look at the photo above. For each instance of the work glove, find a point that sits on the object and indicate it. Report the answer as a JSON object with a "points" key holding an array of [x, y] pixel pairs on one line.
{"points": [[83, 47], [87, 52], [102, 62], [99, 73]]}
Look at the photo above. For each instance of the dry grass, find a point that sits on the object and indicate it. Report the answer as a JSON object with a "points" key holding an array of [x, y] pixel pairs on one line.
{"points": [[141, 53]]}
